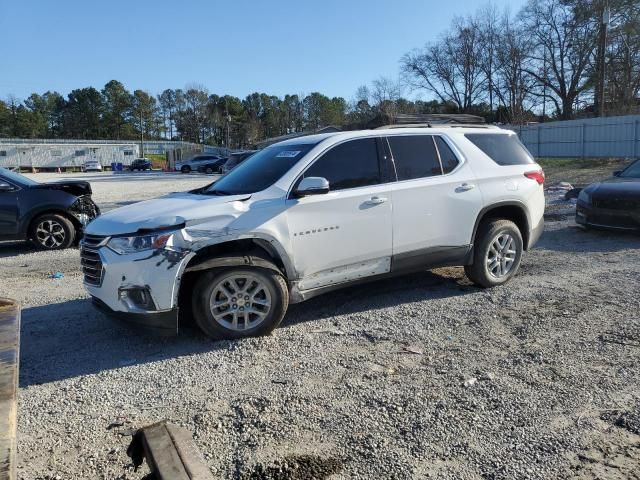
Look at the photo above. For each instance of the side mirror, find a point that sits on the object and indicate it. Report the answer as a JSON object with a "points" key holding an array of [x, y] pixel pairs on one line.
{"points": [[6, 187], [312, 186], [617, 173]]}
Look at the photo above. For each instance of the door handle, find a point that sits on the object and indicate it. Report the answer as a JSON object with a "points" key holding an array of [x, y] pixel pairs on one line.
{"points": [[465, 187], [376, 200]]}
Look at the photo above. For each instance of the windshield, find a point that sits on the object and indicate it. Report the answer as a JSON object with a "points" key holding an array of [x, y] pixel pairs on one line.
{"points": [[16, 177], [260, 171], [632, 171]]}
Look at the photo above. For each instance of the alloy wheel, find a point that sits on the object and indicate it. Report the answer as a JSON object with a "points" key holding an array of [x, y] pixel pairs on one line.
{"points": [[501, 255], [50, 234], [240, 302]]}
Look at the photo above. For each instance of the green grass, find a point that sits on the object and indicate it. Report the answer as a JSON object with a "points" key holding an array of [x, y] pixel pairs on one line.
{"points": [[157, 160], [580, 171]]}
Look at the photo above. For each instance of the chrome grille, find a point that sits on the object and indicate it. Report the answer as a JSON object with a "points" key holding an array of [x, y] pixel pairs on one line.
{"points": [[90, 259]]}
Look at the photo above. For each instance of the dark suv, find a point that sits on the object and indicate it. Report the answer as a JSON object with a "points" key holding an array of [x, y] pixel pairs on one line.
{"points": [[140, 164], [51, 215]]}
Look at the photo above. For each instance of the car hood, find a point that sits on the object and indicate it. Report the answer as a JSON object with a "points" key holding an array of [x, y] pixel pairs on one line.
{"points": [[616, 187], [73, 187], [173, 210]]}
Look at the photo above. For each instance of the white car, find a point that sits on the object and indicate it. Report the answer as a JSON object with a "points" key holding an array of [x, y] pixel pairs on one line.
{"points": [[91, 166], [312, 214]]}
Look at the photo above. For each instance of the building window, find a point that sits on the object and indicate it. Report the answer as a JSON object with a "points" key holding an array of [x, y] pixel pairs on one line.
{"points": [[56, 153], [128, 153], [3, 153], [79, 153]]}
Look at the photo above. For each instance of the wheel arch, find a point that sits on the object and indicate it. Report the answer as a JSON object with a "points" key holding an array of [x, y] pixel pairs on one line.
{"points": [[33, 216], [515, 211], [257, 252]]}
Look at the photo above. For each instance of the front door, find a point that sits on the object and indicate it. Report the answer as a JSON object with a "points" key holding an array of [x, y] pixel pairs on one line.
{"points": [[8, 209], [345, 234]]}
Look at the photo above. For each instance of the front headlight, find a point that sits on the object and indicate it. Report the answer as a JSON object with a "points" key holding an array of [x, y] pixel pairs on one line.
{"points": [[584, 196], [139, 243]]}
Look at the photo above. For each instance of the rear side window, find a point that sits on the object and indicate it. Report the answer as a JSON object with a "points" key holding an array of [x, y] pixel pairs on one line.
{"points": [[447, 157], [501, 148], [415, 156], [349, 165]]}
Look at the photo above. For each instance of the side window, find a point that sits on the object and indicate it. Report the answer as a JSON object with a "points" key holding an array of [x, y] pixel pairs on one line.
{"points": [[349, 165], [447, 157], [415, 156]]}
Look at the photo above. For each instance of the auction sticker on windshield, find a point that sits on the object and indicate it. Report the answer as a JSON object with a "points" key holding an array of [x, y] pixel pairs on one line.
{"points": [[288, 154]]}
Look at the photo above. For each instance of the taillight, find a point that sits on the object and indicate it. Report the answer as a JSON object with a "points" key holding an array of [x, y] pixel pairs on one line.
{"points": [[537, 175]]}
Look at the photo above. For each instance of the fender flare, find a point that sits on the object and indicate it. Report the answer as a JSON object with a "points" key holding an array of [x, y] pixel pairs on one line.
{"points": [[507, 203]]}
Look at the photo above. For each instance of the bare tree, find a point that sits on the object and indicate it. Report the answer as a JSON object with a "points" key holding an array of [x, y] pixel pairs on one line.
{"points": [[513, 85], [450, 68], [563, 47]]}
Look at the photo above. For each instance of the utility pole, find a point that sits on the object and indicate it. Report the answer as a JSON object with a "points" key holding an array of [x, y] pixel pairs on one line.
{"points": [[601, 61], [141, 136], [544, 87]]}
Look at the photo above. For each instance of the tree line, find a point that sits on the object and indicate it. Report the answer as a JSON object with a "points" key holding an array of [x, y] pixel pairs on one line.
{"points": [[554, 59]]}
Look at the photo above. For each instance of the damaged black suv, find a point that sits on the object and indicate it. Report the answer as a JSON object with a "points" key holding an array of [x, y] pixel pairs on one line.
{"points": [[51, 215]]}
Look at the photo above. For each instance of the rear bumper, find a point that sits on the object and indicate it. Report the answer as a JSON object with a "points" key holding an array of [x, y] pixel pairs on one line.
{"points": [[160, 323], [536, 233]]}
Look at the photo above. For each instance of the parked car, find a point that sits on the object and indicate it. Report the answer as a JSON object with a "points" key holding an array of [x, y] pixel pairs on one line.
{"points": [[214, 166], [192, 164], [140, 164], [51, 215], [236, 159], [91, 166], [308, 215], [613, 203]]}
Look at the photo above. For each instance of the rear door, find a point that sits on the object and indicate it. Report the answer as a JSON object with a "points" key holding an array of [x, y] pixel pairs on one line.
{"points": [[435, 201], [345, 234]]}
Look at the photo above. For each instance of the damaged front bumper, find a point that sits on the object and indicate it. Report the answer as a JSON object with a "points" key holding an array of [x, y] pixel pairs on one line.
{"points": [[140, 288]]}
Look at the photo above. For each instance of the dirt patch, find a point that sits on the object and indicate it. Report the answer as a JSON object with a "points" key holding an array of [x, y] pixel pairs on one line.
{"points": [[301, 467]]}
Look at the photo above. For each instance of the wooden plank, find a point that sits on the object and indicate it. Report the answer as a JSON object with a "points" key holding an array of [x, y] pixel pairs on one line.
{"points": [[161, 454], [9, 346], [189, 454]]}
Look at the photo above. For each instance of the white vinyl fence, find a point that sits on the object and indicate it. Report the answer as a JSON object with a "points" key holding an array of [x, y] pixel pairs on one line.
{"points": [[591, 137]]}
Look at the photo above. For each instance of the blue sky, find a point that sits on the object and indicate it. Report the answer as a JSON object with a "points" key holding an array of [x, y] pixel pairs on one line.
{"points": [[235, 46]]}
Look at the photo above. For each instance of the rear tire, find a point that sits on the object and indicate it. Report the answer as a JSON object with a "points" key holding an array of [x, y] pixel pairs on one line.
{"points": [[239, 302], [208, 170], [496, 253], [185, 169], [52, 231]]}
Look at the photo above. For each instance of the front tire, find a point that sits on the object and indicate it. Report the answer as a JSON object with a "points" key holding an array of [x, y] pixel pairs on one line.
{"points": [[496, 254], [186, 169], [239, 302], [52, 232]]}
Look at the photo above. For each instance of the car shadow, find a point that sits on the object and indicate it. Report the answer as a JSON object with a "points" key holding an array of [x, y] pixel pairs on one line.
{"points": [[72, 339], [13, 248], [572, 238], [380, 294]]}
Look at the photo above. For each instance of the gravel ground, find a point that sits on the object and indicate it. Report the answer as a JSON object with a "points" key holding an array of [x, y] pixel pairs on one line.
{"points": [[422, 376]]}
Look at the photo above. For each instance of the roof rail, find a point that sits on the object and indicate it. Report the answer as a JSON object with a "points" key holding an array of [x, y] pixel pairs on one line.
{"points": [[438, 125]]}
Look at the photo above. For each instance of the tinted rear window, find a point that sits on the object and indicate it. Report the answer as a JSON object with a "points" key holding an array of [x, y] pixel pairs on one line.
{"points": [[415, 156], [502, 149], [447, 157]]}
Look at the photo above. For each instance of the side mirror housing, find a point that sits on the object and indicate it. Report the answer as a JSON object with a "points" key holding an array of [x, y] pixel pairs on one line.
{"points": [[312, 186], [617, 173], [6, 187]]}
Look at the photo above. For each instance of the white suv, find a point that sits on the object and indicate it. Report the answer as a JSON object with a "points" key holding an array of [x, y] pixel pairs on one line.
{"points": [[315, 213]]}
